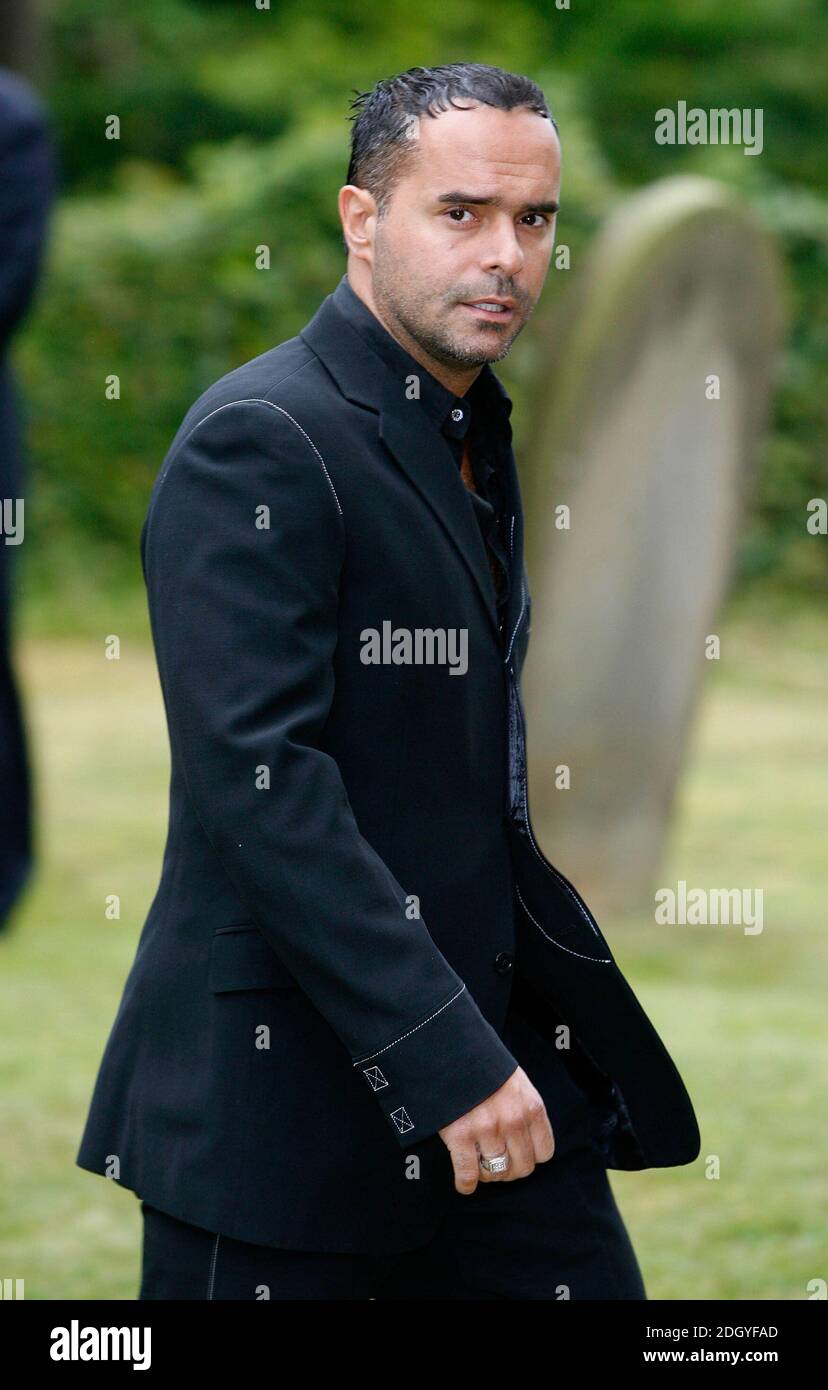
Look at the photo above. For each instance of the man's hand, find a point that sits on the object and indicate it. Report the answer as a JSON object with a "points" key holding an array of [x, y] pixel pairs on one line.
{"points": [[513, 1118]]}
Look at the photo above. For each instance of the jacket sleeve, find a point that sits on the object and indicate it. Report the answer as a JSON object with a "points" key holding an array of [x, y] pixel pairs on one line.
{"points": [[244, 621]]}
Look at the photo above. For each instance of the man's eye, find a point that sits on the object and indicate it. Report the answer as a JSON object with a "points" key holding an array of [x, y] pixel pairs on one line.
{"points": [[451, 211], [544, 219]]}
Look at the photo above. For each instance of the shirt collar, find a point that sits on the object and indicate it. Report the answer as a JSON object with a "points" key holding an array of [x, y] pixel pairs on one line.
{"points": [[450, 413]]}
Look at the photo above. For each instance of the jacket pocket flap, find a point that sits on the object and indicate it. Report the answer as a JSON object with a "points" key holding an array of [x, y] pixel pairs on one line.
{"points": [[241, 958]]}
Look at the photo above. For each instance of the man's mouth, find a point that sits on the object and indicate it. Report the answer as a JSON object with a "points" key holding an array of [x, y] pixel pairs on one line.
{"points": [[492, 309]]}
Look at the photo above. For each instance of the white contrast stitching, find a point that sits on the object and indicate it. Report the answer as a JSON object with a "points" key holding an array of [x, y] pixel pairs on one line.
{"points": [[259, 400], [596, 960], [212, 1279], [369, 1055], [375, 1078], [519, 616]]}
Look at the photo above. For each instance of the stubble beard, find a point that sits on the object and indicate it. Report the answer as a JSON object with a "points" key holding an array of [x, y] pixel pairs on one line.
{"points": [[398, 307]]}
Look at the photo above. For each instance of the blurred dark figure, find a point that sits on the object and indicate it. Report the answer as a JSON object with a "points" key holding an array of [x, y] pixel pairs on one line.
{"points": [[27, 183]]}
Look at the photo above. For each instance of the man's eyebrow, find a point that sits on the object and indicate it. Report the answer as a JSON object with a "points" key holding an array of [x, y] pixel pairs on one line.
{"points": [[494, 200]]}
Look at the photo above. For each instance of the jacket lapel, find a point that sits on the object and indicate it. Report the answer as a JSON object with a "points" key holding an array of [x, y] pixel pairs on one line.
{"points": [[437, 479], [363, 378], [517, 605]]}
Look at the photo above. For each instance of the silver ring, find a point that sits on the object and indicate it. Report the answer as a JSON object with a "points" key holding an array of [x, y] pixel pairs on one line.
{"points": [[497, 1164]]}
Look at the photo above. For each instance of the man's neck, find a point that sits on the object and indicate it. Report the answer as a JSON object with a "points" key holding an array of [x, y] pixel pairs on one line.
{"points": [[456, 380]]}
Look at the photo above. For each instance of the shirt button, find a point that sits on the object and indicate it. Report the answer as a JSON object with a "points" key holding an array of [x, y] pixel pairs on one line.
{"points": [[456, 414], [503, 963]]}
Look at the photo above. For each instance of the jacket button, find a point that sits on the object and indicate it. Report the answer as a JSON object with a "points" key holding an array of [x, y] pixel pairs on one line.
{"points": [[503, 963]]}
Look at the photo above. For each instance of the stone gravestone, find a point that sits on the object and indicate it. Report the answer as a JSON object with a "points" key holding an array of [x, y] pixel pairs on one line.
{"points": [[653, 397]]}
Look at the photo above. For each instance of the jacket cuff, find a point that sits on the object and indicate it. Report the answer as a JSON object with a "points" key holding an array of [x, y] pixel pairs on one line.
{"points": [[442, 1067]]}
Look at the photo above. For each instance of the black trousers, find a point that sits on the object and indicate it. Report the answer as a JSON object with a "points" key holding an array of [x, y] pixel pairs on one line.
{"points": [[556, 1234]]}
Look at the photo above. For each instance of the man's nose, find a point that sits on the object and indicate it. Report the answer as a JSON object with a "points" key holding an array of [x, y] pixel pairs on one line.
{"points": [[503, 252]]}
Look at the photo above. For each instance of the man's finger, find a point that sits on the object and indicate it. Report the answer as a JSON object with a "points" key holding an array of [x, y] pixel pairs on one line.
{"points": [[521, 1147], [490, 1144], [466, 1166], [541, 1133]]}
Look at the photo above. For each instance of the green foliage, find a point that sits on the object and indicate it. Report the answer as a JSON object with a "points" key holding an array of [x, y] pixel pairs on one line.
{"points": [[156, 284], [794, 462]]}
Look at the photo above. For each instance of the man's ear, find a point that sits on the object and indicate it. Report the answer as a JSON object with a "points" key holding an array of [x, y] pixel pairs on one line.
{"points": [[358, 214]]}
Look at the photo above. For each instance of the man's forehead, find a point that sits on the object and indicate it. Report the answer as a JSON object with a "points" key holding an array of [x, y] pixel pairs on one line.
{"points": [[522, 144]]}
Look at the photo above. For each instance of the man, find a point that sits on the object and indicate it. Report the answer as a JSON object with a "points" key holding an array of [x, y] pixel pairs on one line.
{"points": [[27, 186], [319, 1081]]}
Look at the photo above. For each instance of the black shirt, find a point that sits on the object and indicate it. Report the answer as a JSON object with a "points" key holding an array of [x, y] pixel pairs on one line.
{"points": [[482, 414]]}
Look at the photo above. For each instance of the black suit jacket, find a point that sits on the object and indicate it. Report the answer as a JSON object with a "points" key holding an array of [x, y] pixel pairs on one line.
{"points": [[320, 985], [28, 177]]}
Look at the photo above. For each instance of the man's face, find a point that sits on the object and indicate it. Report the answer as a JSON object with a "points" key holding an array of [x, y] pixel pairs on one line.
{"points": [[436, 252]]}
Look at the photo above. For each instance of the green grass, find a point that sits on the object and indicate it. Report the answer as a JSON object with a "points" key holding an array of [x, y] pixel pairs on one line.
{"points": [[744, 1016]]}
